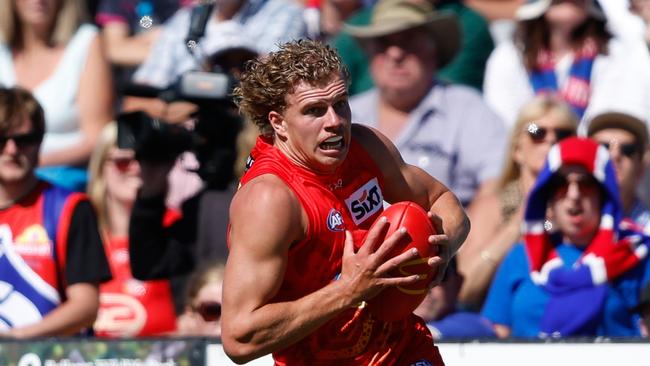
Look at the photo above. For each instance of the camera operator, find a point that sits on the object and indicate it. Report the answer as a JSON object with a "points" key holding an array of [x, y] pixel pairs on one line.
{"points": [[264, 22], [221, 140]]}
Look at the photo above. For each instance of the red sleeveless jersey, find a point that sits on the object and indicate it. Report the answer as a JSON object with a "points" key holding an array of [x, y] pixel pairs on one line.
{"points": [[129, 307], [350, 198]]}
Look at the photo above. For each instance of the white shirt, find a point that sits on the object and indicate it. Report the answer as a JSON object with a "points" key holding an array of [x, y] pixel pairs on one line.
{"points": [[58, 93]]}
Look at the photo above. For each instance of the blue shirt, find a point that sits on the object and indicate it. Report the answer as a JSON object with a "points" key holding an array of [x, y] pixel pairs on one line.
{"points": [[515, 301]]}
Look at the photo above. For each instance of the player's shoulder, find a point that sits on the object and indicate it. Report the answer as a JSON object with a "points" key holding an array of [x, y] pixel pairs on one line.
{"points": [[367, 136], [267, 193]]}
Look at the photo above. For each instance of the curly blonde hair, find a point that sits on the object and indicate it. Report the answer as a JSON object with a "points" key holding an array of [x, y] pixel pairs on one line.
{"points": [[268, 80]]}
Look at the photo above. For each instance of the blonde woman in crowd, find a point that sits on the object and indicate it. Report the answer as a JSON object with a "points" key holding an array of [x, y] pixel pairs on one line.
{"points": [[45, 48], [542, 122], [128, 307]]}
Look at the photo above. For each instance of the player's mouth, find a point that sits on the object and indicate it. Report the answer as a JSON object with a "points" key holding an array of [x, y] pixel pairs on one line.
{"points": [[332, 143]]}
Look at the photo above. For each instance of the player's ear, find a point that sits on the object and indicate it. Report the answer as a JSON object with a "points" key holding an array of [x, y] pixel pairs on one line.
{"points": [[277, 123]]}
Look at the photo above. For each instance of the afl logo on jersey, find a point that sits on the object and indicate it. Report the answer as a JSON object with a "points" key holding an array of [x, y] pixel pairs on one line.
{"points": [[335, 221], [365, 201]]}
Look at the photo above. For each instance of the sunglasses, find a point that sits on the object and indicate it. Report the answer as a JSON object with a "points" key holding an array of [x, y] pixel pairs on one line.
{"points": [[210, 311], [122, 164], [22, 141], [538, 134], [559, 185], [628, 150]]}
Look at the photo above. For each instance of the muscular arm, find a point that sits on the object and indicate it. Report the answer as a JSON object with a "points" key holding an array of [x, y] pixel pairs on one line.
{"points": [[407, 182], [266, 218]]}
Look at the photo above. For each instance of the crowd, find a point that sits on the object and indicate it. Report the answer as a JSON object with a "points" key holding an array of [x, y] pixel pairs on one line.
{"points": [[128, 166]]}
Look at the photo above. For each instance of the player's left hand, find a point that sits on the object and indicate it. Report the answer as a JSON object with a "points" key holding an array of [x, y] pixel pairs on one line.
{"points": [[439, 262]]}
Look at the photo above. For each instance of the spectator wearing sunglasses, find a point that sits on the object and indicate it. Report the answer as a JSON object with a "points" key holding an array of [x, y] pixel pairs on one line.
{"points": [[127, 307], [497, 217], [626, 138], [202, 315], [580, 267], [51, 255]]}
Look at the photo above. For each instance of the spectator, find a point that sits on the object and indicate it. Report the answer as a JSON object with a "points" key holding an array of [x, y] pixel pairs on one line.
{"points": [[265, 22], [130, 27], [46, 49], [643, 309], [626, 138], [564, 47], [497, 217], [262, 23], [642, 9], [334, 13], [445, 129], [202, 315], [443, 317], [127, 307], [466, 68], [580, 273], [52, 257]]}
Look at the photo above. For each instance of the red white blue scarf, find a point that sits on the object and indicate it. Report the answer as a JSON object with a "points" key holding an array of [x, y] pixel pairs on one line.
{"points": [[578, 292], [576, 91]]}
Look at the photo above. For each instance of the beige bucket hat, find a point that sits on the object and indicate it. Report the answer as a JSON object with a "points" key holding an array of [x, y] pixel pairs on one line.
{"points": [[393, 16]]}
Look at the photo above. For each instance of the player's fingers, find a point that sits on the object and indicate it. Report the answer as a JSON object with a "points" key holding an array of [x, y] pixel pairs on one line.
{"points": [[436, 221], [397, 238], [375, 235], [438, 267], [401, 281], [440, 242], [396, 261], [348, 247]]}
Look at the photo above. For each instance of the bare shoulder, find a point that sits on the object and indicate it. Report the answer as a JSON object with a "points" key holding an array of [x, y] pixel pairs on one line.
{"points": [[371, 139], [381, 148], [266, 204]]}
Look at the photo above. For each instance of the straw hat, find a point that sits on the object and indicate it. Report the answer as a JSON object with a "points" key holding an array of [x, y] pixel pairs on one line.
{"points": [[393, 16], [621, 120]]}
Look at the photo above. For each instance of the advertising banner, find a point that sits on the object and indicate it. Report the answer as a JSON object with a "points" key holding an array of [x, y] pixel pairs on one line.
{"points": [[80, 352]]}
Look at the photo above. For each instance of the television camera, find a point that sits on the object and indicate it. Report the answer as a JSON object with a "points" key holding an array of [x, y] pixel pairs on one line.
{"points": [[213, 138]]}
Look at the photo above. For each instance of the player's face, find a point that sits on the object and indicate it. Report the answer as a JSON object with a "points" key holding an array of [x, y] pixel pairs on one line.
{"points": [[315, 128], [625, 154], [19, 154], [576, 204], [122, 175]]}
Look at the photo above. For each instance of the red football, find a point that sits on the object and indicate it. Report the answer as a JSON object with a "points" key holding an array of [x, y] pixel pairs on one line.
{"points": [[395, 303]]}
